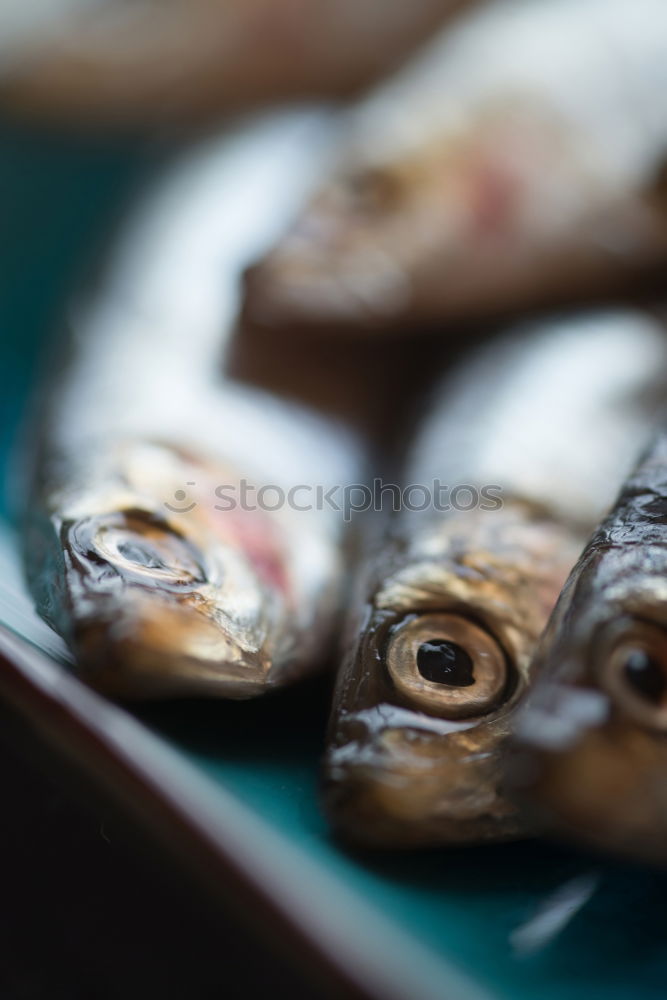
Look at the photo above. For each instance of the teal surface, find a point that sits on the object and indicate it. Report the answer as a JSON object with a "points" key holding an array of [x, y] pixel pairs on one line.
{"points": [[525, 920], [468, 904]]}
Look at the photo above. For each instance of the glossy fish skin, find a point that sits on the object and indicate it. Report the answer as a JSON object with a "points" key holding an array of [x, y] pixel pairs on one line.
{"points": [[133, 550], [408, 765], [514, 166], [400, 777], [592, 739]]}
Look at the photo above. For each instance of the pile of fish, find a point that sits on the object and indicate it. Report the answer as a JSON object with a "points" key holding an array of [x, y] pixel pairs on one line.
{"points": [[190, 533]]}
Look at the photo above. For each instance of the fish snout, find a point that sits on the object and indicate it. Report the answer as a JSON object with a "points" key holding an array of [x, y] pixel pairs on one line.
{"points": [[603, 785], [590, 749], [337, 266], [408, 786], [146, 647]]}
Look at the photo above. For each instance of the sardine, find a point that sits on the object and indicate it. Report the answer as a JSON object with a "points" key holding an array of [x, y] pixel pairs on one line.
{"points": [[149, 61], [592, 738], [534, 432], [517, 163], [140, 548]]}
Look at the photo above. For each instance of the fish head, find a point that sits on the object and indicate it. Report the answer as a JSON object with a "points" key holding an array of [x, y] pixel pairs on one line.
{"points": [[426, 700], [159, 591], [591, 740], [381, 237], [339, 262]]}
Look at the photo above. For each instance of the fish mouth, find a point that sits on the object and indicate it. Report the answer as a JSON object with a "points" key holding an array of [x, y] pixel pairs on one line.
{"points": [[152, 612], [423, 782], [370, 291], [155, 650], [606, 789]]}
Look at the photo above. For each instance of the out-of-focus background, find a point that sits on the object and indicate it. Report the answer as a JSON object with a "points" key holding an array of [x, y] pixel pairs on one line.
{"points": [[90, 910]]}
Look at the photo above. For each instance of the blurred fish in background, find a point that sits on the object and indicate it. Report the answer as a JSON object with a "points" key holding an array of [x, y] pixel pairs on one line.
{"points": [[516, 163], [140, 547], [141, 63]]}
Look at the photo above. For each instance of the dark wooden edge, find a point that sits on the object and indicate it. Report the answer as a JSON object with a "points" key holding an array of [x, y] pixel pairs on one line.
{"points": [[217, 844], [67, 727]]}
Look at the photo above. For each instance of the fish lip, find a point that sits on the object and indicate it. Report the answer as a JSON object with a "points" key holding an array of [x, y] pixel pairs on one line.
{"points": [[601, 792], [588, 769], [377, 793], [356, 809], [118, 656], [317, 303]]}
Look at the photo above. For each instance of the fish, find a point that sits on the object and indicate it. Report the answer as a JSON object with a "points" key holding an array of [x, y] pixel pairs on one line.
{"points": [[149, 545], [515, 164], [111, 64], [591, 746], [519, 454]]}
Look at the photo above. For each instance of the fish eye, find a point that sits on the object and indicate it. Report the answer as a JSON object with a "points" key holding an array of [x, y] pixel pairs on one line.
{"points": [[447, 665], [374, 188], [142, 549], [633, 670]]}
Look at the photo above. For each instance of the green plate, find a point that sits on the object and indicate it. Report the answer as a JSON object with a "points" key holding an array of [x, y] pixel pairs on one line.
{"points": [[513, 922]]}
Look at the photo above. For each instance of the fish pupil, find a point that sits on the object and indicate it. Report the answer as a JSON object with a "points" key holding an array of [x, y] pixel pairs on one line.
{"points": [[646, 676], [445, 662], [141, 555]]}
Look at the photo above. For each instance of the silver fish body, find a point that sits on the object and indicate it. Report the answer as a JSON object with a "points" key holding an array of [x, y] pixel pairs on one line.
{"points": [[139, 547], [516, 163], [534, 431]]}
